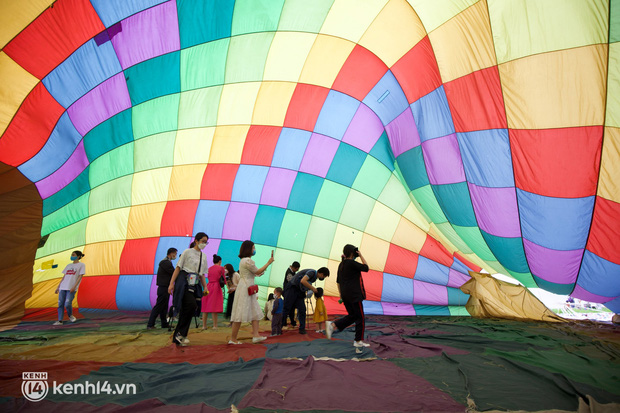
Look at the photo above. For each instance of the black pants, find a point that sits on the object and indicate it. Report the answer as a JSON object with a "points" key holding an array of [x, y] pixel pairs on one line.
{"points": [[290, 314], [355, 314], [161, 308], [188, 309], [276, 324], [229, 304], [294, 299]]}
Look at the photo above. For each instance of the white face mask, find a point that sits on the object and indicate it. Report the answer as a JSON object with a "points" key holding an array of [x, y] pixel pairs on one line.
{"points": [[202, 245]]}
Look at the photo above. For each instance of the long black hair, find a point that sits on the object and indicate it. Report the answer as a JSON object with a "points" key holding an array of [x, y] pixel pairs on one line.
{"points": [[197, 238]]}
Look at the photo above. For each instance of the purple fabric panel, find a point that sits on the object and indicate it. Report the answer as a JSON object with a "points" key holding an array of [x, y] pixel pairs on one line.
{"points": [[403, 133], [429, 294], [211, 248], [582, 294], [443, 160], [65, 174], [277, 187], [456, 279], [239, 221], [560, 267], [148, 34], [496, 210], [153, 291], [364, 130], [396, 346], [397, 309], [319, 155], [101, 103]]}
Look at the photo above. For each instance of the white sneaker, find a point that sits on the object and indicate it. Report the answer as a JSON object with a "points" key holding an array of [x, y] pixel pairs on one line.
{"points": [[360, 344], [234, 342], [329, 329], [258, 339], [57, 323], [181, 339], [72, 319]]}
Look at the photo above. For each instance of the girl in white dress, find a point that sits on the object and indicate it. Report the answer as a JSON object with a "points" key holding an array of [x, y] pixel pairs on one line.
{"points": [[245, 307]]}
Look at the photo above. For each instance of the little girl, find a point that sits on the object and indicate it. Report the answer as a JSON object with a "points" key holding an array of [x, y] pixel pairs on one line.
{"points": [[68, 286], [320, 314]]}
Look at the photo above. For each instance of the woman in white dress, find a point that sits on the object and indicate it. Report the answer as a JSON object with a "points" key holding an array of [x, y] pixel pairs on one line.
{"points": [[245, 307]]}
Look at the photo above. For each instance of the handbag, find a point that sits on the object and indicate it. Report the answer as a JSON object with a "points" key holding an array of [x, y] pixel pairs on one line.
{"points": [[252, 289], [222, 281]]}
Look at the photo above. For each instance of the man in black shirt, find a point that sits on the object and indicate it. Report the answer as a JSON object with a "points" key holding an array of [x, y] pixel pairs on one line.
{"points": [[296, 291], [164, 274], [290, 273]]}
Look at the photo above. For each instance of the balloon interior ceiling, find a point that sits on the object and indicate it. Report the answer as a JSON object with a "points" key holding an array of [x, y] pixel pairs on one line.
{"points": [[438, 136]]}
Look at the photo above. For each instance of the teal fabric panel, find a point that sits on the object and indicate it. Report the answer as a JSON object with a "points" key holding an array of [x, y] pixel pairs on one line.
{"points": [[154, 78]]}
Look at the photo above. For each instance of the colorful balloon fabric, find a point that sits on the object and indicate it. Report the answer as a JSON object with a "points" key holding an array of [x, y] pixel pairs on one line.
{"points": [[439, 137]]}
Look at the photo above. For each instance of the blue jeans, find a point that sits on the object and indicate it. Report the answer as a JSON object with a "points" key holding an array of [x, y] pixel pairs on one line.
{"points": [[65, 300]]}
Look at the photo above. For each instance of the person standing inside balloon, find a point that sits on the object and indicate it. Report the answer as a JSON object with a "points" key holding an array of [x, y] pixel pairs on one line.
{"points": [[68, 286], [232, 280], [164, 275], [298, 288], [190, 271], [213, 302], [352, 293], [288, 276]]}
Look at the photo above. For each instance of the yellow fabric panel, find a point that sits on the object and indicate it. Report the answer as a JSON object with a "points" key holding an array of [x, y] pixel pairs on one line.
{"points": [[409, 236], [150, 186], [43, 295], [464, 44], [145, 220], [108, 256], [237, 103], [383, 222], [394, 32], [287, 55], [81, 352], [526, 27], [61, 258], [15, 15], [47, 265], [15, 84], [435, 13], [375, 251], [609, 175], [613, 86], [325, 60], [476, 260], [185, 182], [193, 146], [541, 92], [228, 144], [107, 226], [349, 19], [344, 235], [438, 235], [272, 103], [412, 214], [313, 261]]}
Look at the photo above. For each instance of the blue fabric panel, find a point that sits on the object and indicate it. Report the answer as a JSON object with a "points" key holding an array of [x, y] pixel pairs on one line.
{"points": [[457, 265], [113, 11], [431, 271], [86, 68], [457, 297], [508, 251], [563, 289], [432, 115], [304, 193], [397, 289], [180, 243], [210, 217], [230, 250], [556, 223], [373, 307], [153, 78], [336, 114], [133, 292], [201, 21], [613, 305], [389, 106], [431, 310], [78, 187], [346, 164], [456, 204], [383, 152], [599, 276], [267, 225], [487, 158], [411, 165], [62, 142], [290, 148], [249, 183]]}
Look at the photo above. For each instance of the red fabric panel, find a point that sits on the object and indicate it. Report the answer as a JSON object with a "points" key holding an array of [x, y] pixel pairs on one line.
{"points": [[360, 73], [470, 264], [178, 218], [373, 283], [54, 35], [33, 122], [138, 256], [435, 251], [332, 307], [99, 292], [561, 163], [218, 181], [604, 238], [476, 101], [417, 71], [260, 143], [194, 354], [305, 106], [401, 261]]}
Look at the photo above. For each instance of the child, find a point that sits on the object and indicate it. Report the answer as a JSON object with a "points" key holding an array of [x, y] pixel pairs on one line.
{"points": [[68, 286], [320, 314], [278, 307]]}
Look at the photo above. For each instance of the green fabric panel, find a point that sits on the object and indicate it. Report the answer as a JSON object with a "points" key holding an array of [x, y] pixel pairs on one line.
{"points": [[394, 195], [153, 78], [111, 195], [472, 237], [74, 211], [108, 135], [458, 311], [305, 192], [66, 238], [304, 16], [372, 177], [508, 251], [426, 199], [331, 200], [155, 151], [563, 289], [254, 16], [293, 231], [202, 21], [78, 187], [447, 230], [198, 108], [267, 225], [247, 56], [357, 210], [383, 151], [204, 65], [320, 237], [156, 116], [456, 203], [114, 164], [527, 279], [431, 310], [614, 21]]}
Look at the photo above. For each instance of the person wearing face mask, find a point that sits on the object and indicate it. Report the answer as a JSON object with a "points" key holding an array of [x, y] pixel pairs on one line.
{"points": [[68, 286], [164, 275], [190, 271]]}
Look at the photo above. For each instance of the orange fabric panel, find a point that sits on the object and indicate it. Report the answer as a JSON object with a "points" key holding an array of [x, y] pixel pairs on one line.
{"points": [[260, 143], [218, 181], [98, 292], [435, 251], [401, 261], [417, 71], [605, 230]]}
